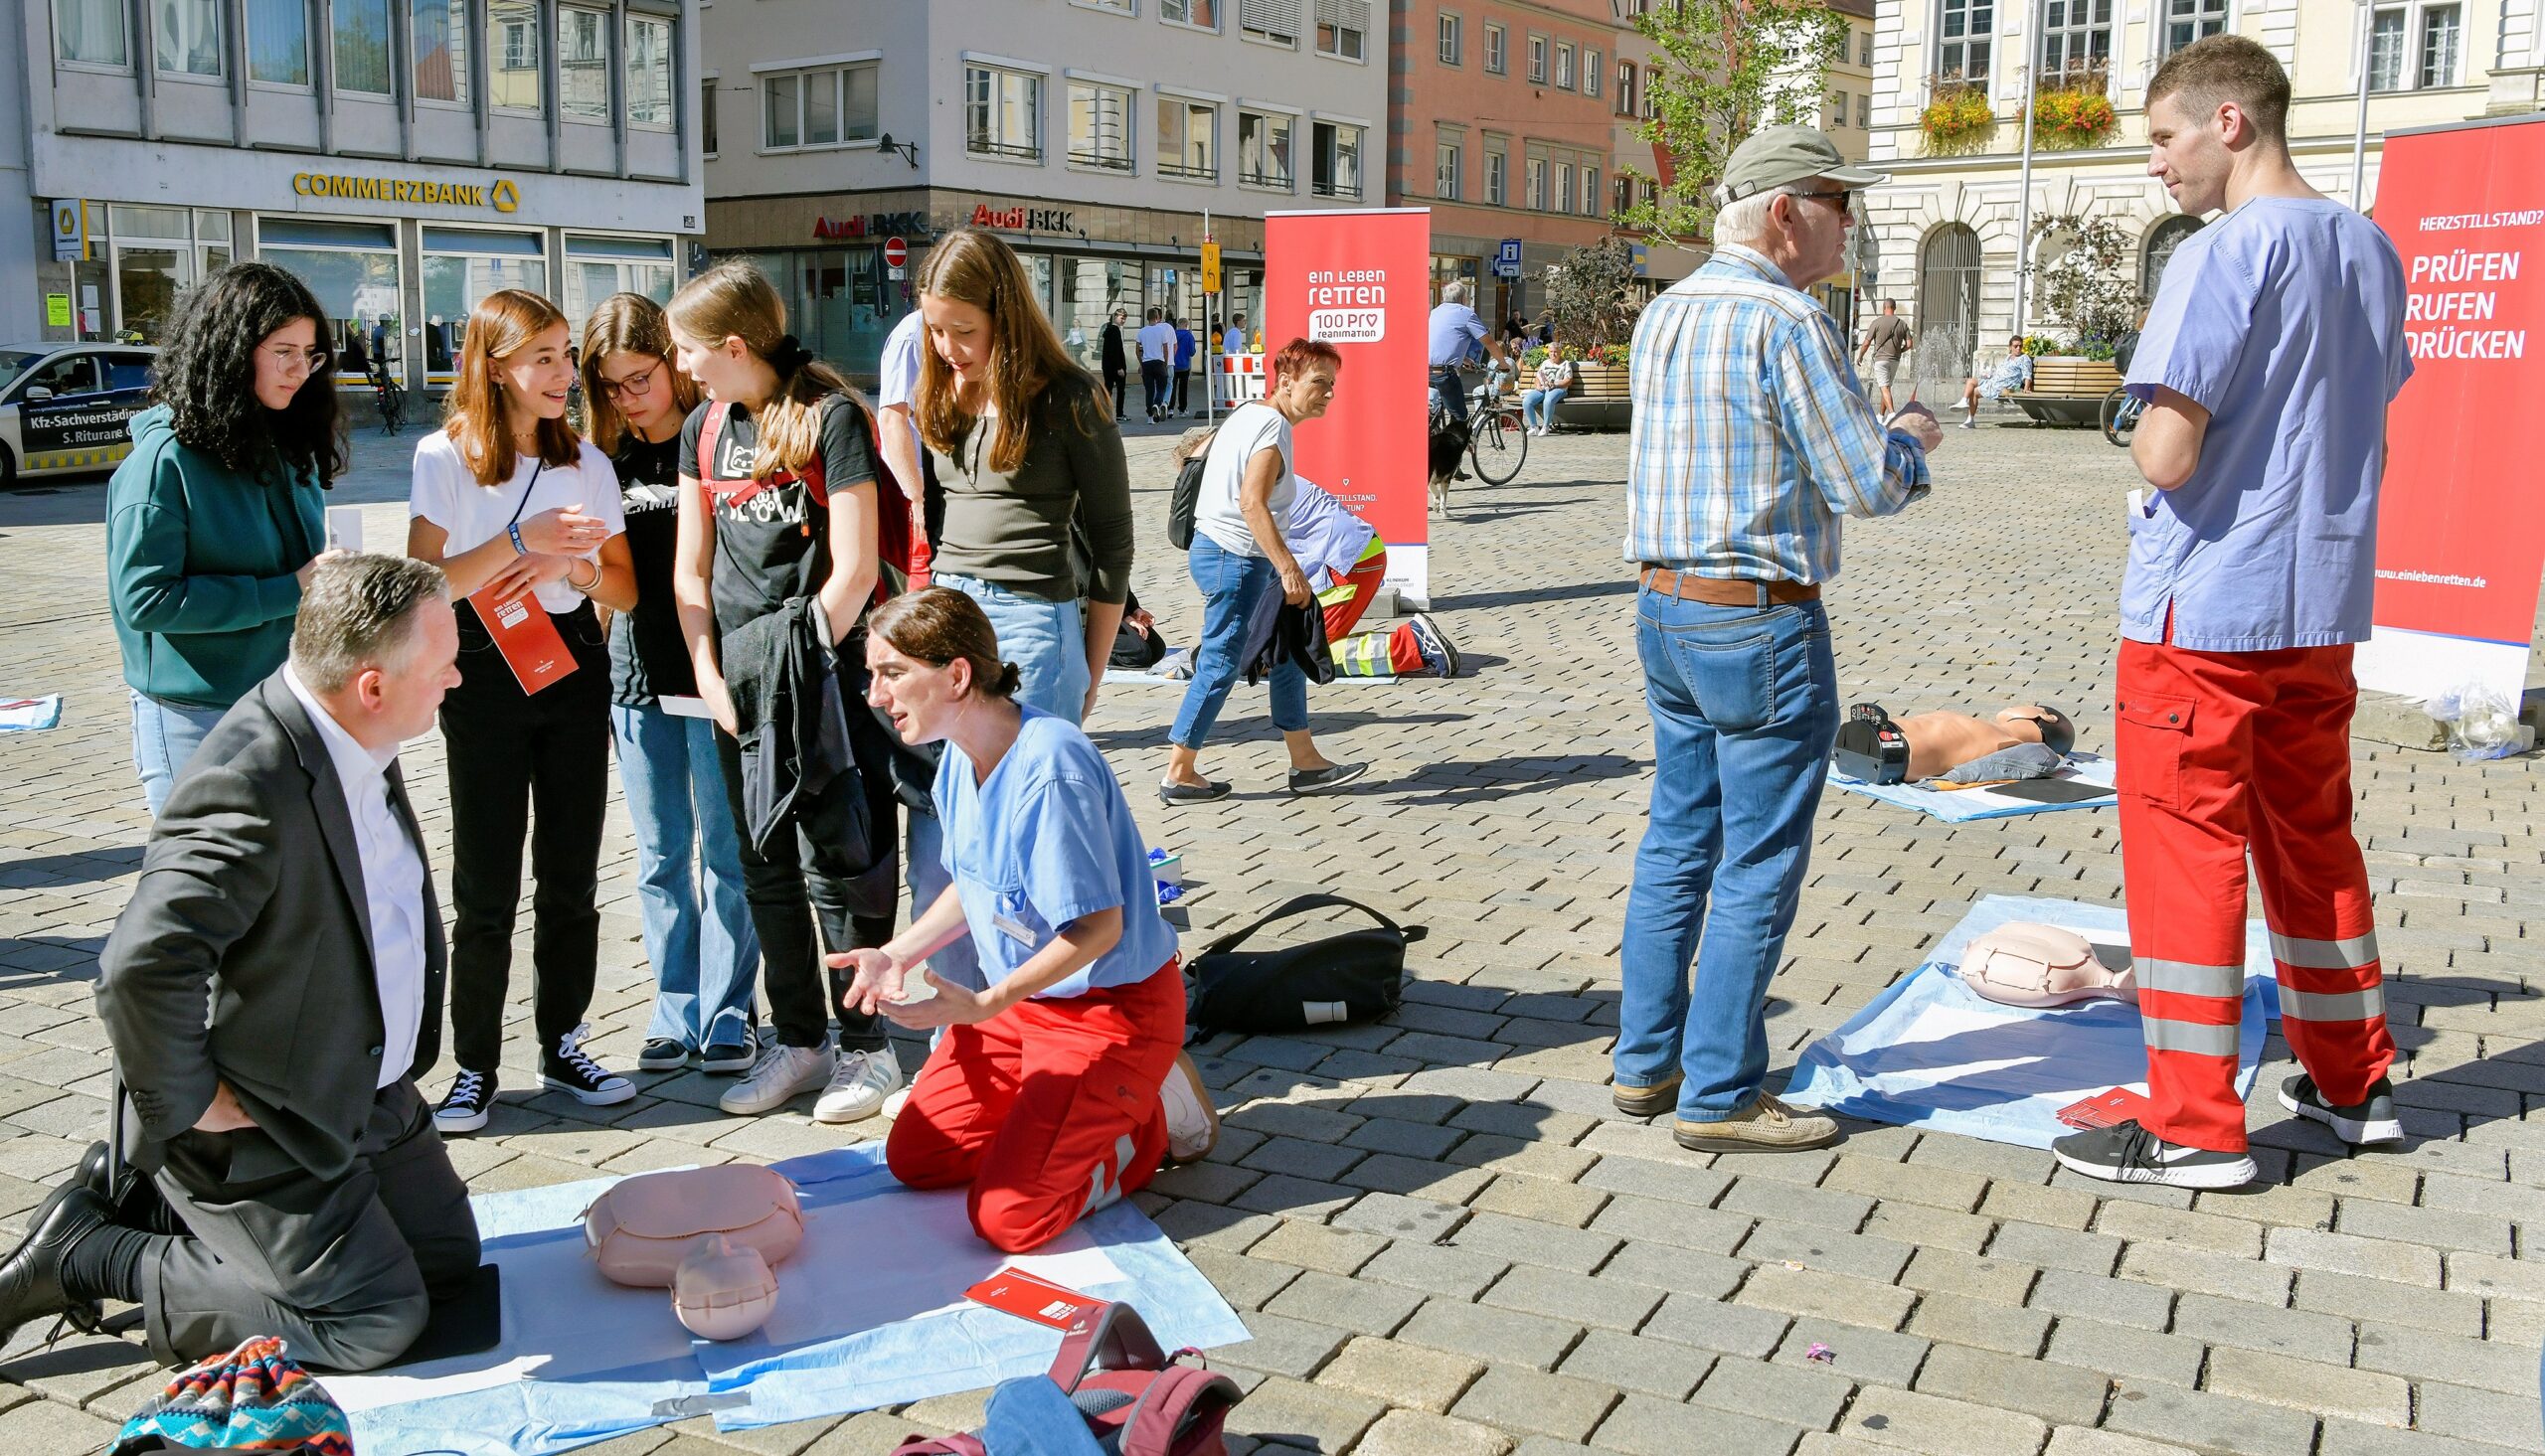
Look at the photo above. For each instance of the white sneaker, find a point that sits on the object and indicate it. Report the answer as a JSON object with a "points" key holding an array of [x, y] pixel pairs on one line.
{"points": [[781, 1073], [893, 1105], [859, 1084], [1191, 1119]]}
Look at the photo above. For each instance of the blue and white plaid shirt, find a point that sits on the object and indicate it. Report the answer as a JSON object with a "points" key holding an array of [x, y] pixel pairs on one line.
{"points": [[1752, 434]]}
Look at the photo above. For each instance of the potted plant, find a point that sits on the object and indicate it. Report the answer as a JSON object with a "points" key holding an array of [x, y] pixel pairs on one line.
{"points": [[1956, 119], [2072, 112]]}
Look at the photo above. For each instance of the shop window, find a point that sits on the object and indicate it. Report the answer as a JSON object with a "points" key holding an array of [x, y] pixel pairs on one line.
{"points": [[1343, 28], [1449, 168], [582, 64], [1277, 21], [1200, 14], [1592, 74], [1091, 289], [1187, 139], [362, 45], [2076, 38], [519, 81], [1962, 31], [1563, 192], [1264, 150], [1100, 126], [461, 266], [186, 37], [154, 261], [1002, 113], [1497, 176], [441, 51], [1497, 46], [1334, 161], [2187, 21], [353, 270], [1537, 59], [598, 267], [1564, 65], [1452, 41], [90, 31], [817, 109], [649, 71]]}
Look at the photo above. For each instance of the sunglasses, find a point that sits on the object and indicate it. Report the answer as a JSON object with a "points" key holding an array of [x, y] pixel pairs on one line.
{"points": [[1845, 197]]}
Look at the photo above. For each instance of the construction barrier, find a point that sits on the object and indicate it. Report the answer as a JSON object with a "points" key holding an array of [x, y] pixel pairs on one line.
{"points": [[1238, 378]]}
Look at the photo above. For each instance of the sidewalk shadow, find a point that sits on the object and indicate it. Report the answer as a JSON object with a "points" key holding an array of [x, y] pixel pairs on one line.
{"points": [[30, 960], [1532, 596], [85, 867], [1516, 776]]}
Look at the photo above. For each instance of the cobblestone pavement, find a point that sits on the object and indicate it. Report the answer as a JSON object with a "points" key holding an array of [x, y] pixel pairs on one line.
{"points": [[1442, 1238]]}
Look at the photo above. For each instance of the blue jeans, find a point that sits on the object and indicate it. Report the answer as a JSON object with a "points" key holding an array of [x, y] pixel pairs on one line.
{"points": [[164, 737], [1537, 407], [697, 931], [1047, 640], [1745, 707], [1452, 389], [1231, 585]]}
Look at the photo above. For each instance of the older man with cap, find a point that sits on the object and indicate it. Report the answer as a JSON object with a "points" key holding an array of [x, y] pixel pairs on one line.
{"points": [[1751, 438]]}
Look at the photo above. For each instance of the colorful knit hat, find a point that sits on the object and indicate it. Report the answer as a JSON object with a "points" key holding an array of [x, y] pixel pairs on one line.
{"points": [[254, 1398]]}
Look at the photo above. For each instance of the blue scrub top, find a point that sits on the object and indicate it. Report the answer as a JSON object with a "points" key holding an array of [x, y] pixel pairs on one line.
{"points": [[1048, 840]]}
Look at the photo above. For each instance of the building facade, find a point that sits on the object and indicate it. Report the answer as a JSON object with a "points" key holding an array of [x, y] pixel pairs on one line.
{"points": [[1099, 137], [403, 157], [1950, 78], [1502, 121]]}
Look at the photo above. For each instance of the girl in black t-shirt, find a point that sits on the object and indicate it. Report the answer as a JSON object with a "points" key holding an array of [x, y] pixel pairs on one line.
{"points": [[697, 925], [778, 506]]}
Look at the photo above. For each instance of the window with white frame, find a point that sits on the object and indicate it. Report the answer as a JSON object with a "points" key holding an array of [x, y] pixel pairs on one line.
{"points": [[1837, 110], [1200, 14], [186, 37], [1453, 37], [1099, 126], [441, 51], [1449, 168], [1277, 21], [1538, 60], [1963, 31], [1002, 112], [1118, 7], [821, 106], [1497, 46], [1864, 47], [2441, 28], [1563, 188], [1592, 76], [1623, 188], [583, 63], [1564, 65], [1264, 150], [91, 33], [1334, 159], [1343, 28], [1590, 190], [1188, 139], [1497, 173], [1864, 110], [1625, 88], [1534, 197], [649, 71], [2386, 49], [2076, 36], [518, 79], [2187, 21]]}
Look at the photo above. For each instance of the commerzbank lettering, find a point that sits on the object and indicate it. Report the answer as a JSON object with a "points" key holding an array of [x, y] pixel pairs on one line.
{"points": [[502, 197]]}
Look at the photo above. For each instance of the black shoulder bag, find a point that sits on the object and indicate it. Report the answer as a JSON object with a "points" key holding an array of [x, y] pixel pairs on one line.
{"points": [[1356, 976]]}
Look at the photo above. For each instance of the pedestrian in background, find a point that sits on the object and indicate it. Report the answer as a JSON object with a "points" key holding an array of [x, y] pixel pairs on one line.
{"points": [[518, 511], [2275, 343], [1035, 488], [1554, 381], [1185, 347], [1886, 340], [1751, 441], [1117, 368], [784, 527], [689, 867], [1250, 481], [1158, 349], [897, 437], [214, 519], [1234, 342]]}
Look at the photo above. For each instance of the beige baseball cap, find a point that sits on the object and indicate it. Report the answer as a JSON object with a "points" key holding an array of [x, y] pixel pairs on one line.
{"points": [[1780, 155]]}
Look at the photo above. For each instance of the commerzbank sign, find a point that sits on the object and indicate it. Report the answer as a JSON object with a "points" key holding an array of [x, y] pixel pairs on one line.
{"points": [[500, 196]]}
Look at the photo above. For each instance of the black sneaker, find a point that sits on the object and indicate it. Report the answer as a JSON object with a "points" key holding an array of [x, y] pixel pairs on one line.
{"points": [[580, 1077], [2129, 1153], [664, 1053], [1331, 776], [1439, 654], [2370, 1120], [1192, 793], [724, 1059], [463, 1108]]}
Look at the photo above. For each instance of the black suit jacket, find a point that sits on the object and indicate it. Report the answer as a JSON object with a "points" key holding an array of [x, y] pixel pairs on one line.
{"points": [[251, 902]]}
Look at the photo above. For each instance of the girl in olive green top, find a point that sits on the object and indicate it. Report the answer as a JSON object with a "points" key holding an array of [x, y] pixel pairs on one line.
{"points": [[213, 520]]}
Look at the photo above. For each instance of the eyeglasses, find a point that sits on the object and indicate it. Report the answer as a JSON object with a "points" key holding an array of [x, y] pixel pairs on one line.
{"points": [[1845, 197], [286, 356], [632, 386]]}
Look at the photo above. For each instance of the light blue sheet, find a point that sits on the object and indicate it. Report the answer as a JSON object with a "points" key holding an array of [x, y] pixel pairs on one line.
{"points": [[1932, 1053], [30, 715], [1960, 806], [870, 1313]]}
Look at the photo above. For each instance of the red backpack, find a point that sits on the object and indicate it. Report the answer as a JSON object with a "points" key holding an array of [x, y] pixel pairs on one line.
{"points": [[1133, 1397], [900, 547]]}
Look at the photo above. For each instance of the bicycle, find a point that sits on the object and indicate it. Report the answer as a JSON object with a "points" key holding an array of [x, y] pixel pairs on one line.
{"points": [[2118, 415], [390, 396], [1497, 437]]}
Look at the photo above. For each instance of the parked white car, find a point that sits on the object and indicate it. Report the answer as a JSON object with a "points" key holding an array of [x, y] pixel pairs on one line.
{"points": [[67, 408]]}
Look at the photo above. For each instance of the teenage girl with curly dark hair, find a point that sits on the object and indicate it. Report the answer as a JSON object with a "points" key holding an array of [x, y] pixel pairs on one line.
{"points": [[214, 519]]}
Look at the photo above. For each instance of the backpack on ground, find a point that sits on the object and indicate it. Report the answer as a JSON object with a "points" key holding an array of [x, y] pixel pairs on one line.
{"points": [[1186, 498], [1112, 1392]]}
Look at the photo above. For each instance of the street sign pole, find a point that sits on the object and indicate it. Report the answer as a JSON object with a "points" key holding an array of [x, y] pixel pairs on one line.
{"points": [[1210, 338]]}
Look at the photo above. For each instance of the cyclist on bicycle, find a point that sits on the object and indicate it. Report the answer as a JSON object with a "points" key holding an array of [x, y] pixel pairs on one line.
{"points": [[2012, 375], [1456, 334]]}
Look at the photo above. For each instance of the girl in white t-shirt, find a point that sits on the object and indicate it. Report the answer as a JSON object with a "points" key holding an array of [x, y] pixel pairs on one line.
{"points": [[522, 515]]}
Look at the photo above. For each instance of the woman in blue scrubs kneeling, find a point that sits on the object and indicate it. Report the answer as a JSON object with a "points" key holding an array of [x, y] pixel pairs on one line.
{"points": [[1062, 1085]]}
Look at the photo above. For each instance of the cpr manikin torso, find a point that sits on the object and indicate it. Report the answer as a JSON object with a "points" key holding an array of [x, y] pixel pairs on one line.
{"points": [[1940, 742]]}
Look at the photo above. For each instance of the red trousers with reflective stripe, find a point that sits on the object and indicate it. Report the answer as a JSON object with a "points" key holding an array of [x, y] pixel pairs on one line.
{"points": [[1404, 654], [1049, 1110], [2222, 754]]}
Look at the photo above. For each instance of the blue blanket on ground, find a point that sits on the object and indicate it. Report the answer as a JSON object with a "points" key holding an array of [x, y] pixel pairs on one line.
{"points": [[870, 1312], [1930, 1051], [1960, 806]]}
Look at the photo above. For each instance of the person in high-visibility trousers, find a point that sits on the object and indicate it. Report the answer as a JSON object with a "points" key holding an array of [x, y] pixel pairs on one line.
{"points": [[2274, 347]]}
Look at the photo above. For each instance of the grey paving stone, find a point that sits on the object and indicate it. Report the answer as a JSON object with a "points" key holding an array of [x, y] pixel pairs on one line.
{"points": [[2330, 1391], [1680, 1225], [1390, 1216], [1543, 1200], [1402, 1374], [1283, 1345], [1829, 1296], [1808, 1395], [1414, 1433], [1669, 1181], [2208, 1422], [1710, 1323], [1357, 1305], [1984, 1323], [1501, 1337], [1643, 1426], [1681, 1272], [2347, 1438], [1404, 1139], [1528, 1400], [2355, 1298], [2056, 1248], [1457, 1272], [2504, 1365], [1940, 1427], [2120, 1301], [2477, 1415], [1317, 1246], [1525, 1240], [1635, 1363], [1878, 1259], [2054, 1392], [2374, 1258], [1859, 1354], [1773, 1202], [2125, 1353], [1287, 1412], [1606, 1299], [2321, 1338]]}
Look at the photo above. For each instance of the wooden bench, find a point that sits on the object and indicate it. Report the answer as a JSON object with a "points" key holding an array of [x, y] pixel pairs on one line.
{"points": [[1598, 399], [2067, 390]]}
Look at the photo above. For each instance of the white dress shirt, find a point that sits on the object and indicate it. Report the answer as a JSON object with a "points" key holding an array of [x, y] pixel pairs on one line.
{"points": [[393, 883]]}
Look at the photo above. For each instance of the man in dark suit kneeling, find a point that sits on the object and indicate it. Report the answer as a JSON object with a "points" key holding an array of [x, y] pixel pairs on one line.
{"points": [[272, 990]]}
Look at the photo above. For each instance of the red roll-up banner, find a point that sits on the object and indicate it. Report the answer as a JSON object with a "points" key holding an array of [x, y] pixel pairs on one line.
{"points": [[1361, 281], [2460, 523]]}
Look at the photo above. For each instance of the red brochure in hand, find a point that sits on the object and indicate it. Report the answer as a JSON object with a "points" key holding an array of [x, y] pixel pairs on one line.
{"points": [[2105, 1109], [526, 637], [1015, 1292]]}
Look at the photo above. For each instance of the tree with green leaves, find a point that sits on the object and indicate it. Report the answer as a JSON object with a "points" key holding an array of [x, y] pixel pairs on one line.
{"points": [[1590, 295], [2083, 277], [1721, 69]]}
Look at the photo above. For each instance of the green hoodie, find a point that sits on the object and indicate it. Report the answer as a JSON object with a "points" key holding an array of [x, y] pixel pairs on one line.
{"points": [[200, 561]]}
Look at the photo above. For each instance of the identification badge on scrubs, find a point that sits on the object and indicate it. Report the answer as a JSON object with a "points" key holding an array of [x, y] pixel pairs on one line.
{"points": [[1013, 929]]}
